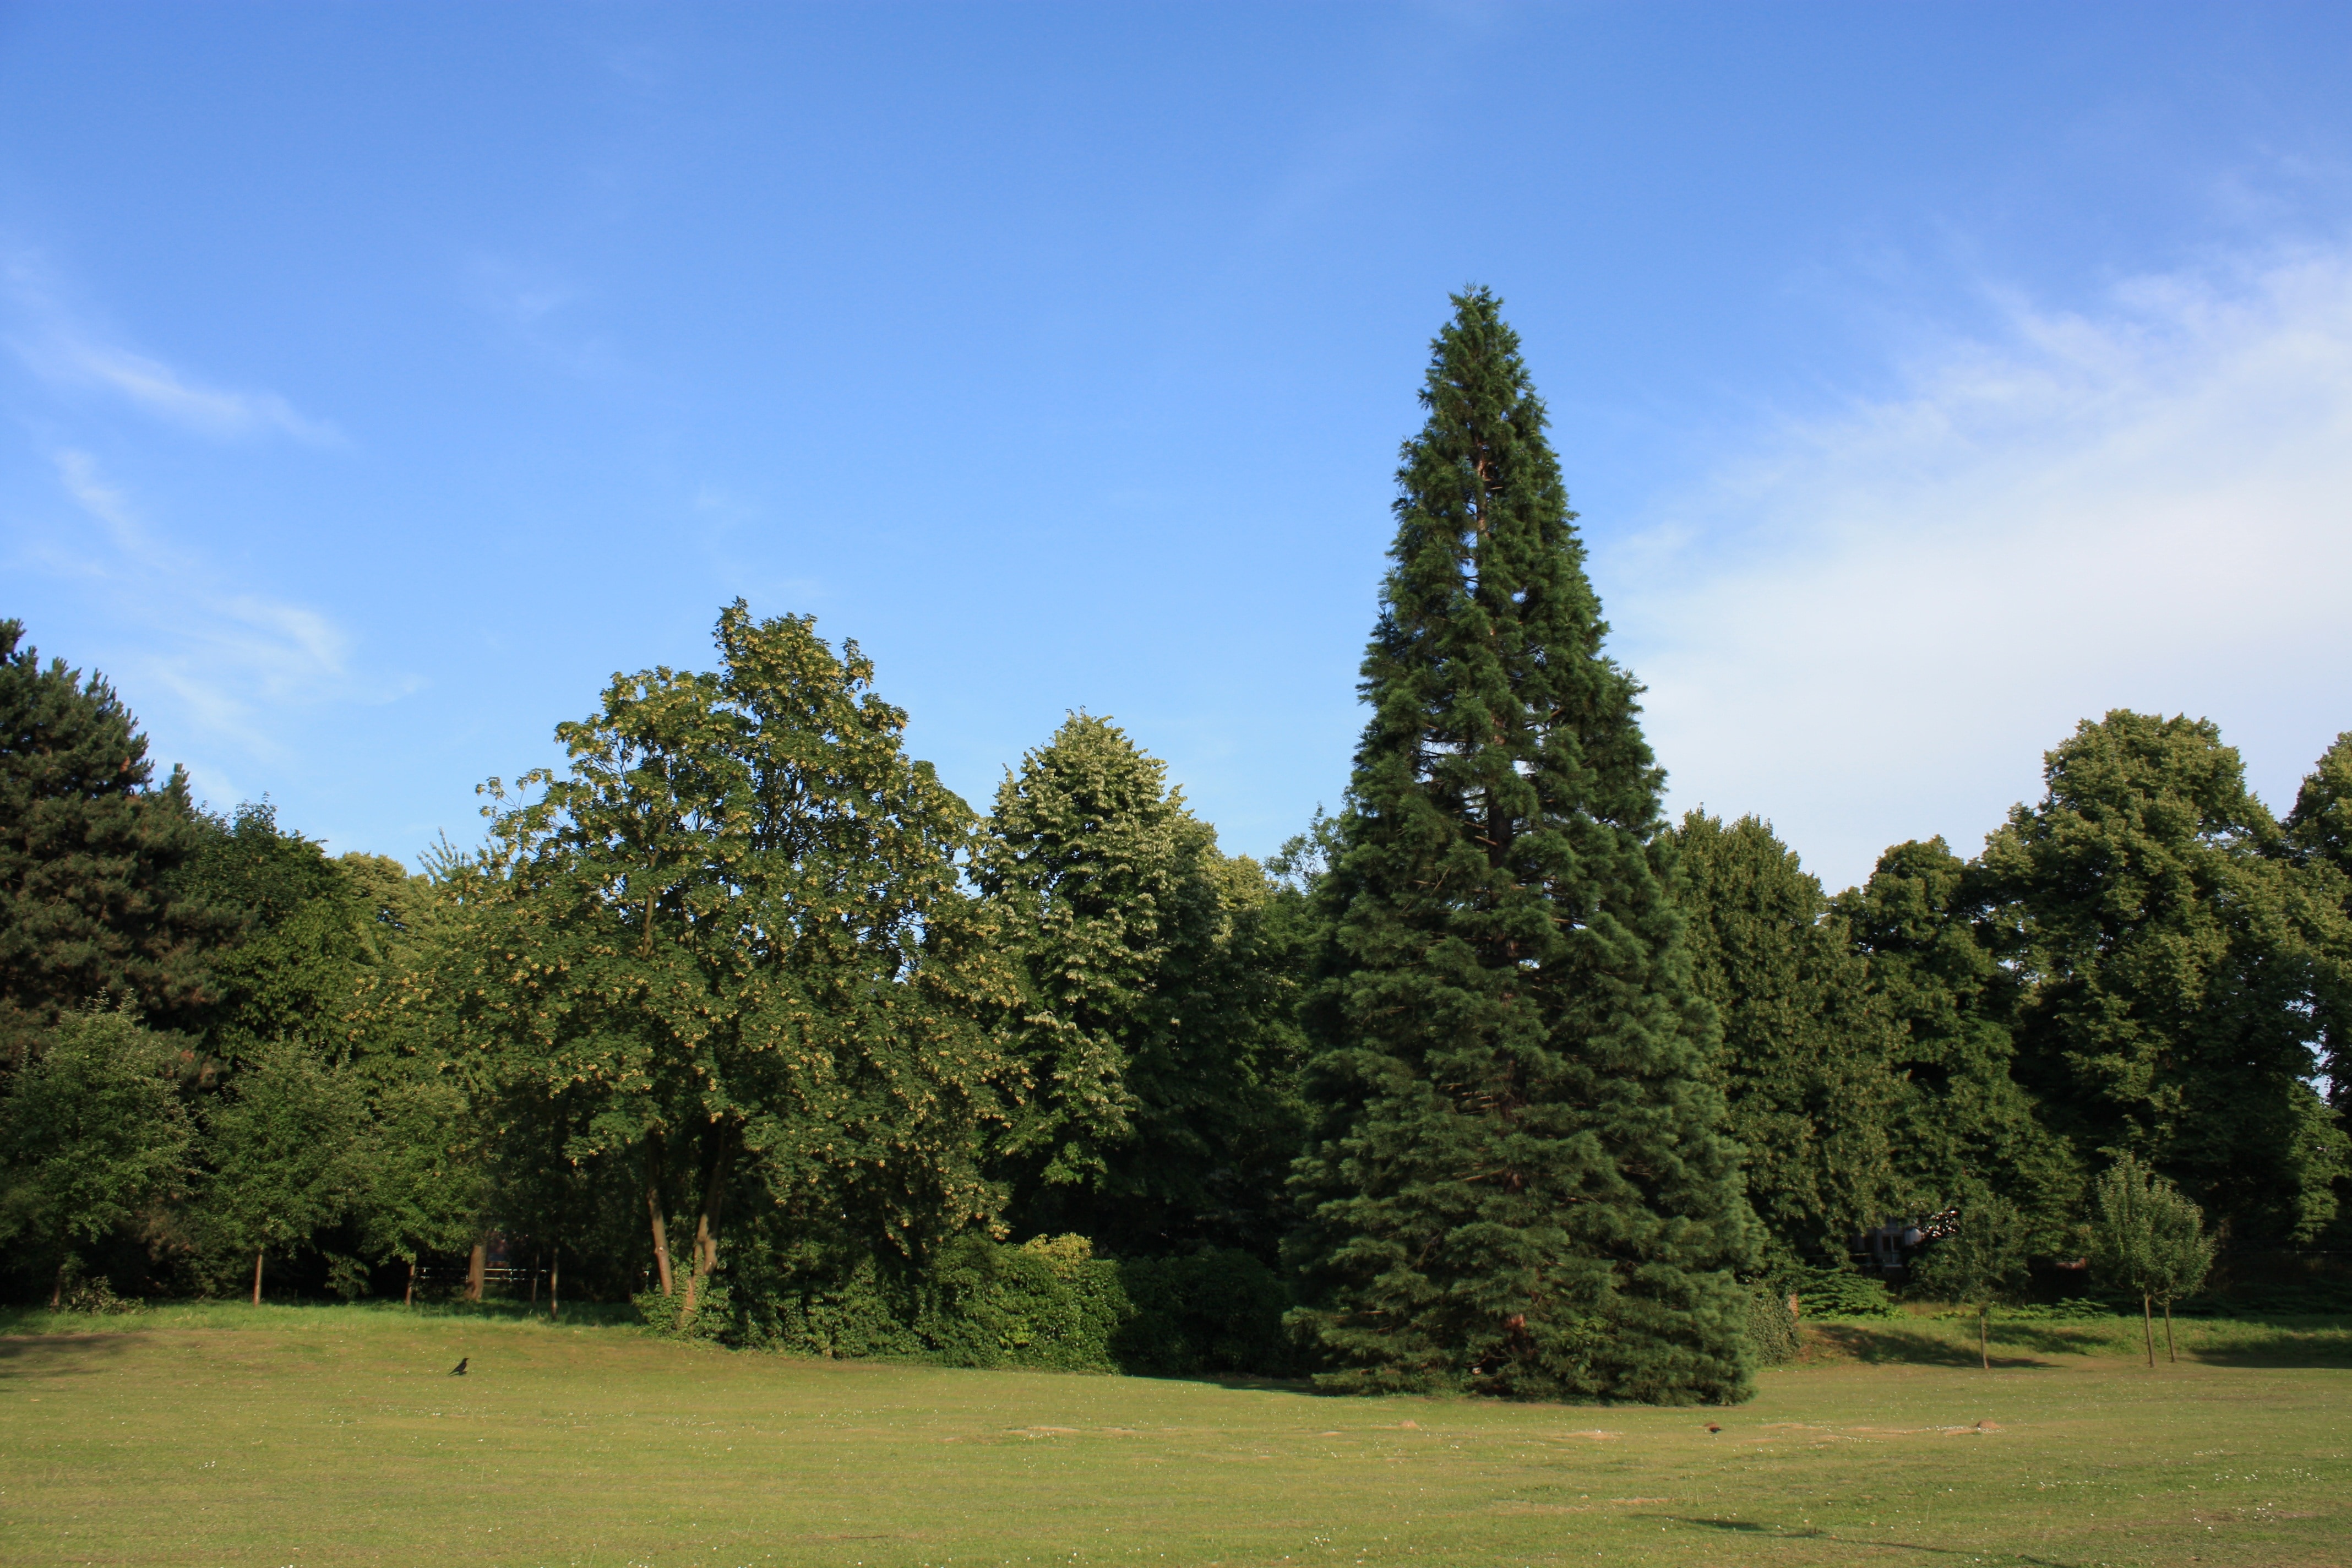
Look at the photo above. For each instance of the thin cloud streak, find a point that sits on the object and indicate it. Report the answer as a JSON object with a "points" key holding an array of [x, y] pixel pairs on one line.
{"points": [[64, 351], [1873, 630], [231, 659]]}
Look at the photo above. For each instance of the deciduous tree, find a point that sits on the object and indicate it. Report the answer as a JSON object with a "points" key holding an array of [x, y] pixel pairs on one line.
{"points": [[2149, 1240], [1980, 1263], [92, 1137], [1149, 1023], [2172, 985], [1963, 1120], [732, 932], [1805, 1059]]}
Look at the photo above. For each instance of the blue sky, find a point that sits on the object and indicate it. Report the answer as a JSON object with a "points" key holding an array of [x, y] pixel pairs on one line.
{"points": [[375, 380]]}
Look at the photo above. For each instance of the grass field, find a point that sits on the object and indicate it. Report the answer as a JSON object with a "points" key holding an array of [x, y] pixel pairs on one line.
{"points": [[222, 1435]]}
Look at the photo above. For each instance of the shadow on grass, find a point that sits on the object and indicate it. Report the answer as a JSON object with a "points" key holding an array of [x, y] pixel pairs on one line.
{"points": [[62, 1354], [1757, 1530], [1874, 1345], [2321, 1345]]}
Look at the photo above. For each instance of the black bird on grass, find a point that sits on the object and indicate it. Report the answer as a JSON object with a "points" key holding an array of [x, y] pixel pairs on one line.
{"points": [[460, 1370]]}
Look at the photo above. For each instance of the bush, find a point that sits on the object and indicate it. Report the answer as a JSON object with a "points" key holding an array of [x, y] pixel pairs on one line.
{"points": [[1048, 1303], [1772, 1327], [664, 1316], [1837, 1293], [1214, 1311], [93, 1294]]}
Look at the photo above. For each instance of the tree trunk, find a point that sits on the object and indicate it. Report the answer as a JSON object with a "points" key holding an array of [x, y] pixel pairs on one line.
{"points": [[2147, 1330], [706, 1219], [410, 1299], [661, 1238], [653, 1208], [256, 1276], [474, 1265], [534, 1283], [555, 1282], [2170, 1353], [1984, 1346], [57, 1287]]}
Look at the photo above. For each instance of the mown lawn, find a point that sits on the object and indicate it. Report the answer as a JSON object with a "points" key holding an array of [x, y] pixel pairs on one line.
{"points": [[326, 1435]]}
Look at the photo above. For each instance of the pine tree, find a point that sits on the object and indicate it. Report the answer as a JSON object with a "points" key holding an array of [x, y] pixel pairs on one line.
{"points": [[88, 850], [1806, 1051], [2172, 990], [1518, 1184]]}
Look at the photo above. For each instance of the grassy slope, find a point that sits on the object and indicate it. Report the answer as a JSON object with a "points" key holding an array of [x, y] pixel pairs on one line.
{"points": [[330, 1435]]}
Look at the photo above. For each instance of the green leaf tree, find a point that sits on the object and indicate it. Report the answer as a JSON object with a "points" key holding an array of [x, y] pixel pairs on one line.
{"points": [[421, 1185], [93, 1137], [1518, 1182], [2172, 971], [286, 1145], [89, 847], [1962, 1117], [308, 929], [2149, 1239], [1147, 1022], [731, 937], [1806, 1045], [2319, 837], [1981, 1263]]}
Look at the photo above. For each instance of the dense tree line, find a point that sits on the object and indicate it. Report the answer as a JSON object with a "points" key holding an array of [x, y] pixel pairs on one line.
{"points": [[1497, 1077]]}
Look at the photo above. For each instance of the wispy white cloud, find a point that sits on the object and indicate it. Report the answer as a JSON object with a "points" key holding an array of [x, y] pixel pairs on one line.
{"points": [[1872, 628], [165, 393], [51, 342], [233, 658]]}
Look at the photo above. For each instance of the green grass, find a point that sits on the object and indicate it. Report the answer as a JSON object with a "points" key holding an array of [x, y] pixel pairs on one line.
{"points": [[327, 1436]]}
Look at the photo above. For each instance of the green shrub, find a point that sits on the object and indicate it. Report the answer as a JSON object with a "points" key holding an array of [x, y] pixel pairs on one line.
{"points": [[1838, 1293], [664, 1316], [1772, 1327], [1048, 1303], [1214, 1311], [2072, 1310]]}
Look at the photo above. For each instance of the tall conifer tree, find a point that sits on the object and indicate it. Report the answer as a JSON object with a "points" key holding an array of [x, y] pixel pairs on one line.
{"points": [[1518, 1184], [89, 847]]}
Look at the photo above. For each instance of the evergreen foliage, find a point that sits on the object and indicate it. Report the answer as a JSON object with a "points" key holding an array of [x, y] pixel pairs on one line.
{"points": [[1148, 1035], [1555, 1089], [1806, 1045], [88, 850], [2171, 975], [1518, 1184]]}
